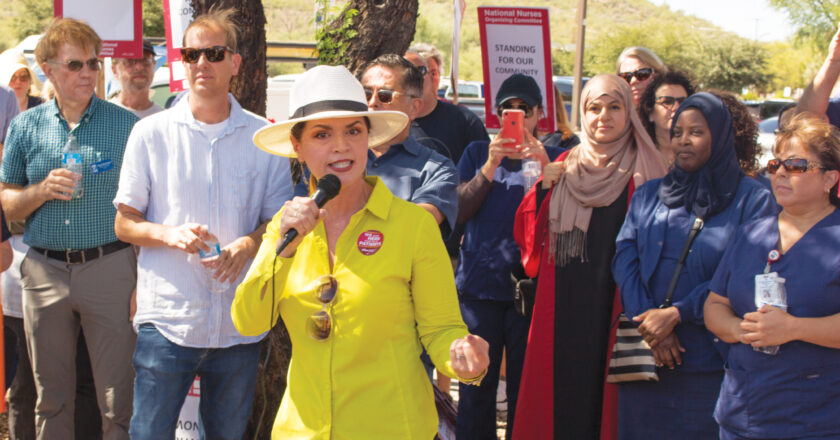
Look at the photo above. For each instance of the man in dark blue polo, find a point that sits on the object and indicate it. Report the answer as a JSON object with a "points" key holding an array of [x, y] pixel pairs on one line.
{"points": [[411, 171]]}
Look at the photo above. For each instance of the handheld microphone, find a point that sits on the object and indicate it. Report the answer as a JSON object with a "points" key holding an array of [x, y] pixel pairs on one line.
{"points": [[327, 188]]}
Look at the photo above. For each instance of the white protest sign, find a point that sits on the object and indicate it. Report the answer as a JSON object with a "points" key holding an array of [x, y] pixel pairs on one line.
{"points": [[516, 40]]}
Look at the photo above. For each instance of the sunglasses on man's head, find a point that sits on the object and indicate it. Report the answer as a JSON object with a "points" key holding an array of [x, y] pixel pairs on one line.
{"points": [[76, 65], [792, 165], [384, 96], [529, 111], [669, 101], [213, 54], [641, 74]]}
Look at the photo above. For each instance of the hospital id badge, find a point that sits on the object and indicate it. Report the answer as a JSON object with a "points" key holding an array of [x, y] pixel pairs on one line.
{"points": [[770, 290]]}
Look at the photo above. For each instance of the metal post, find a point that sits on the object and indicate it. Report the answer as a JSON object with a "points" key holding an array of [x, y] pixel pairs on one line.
{"points": [[578, 81]]}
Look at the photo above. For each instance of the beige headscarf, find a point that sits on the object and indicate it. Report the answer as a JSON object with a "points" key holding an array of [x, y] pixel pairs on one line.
{"points": [[597, 173]]}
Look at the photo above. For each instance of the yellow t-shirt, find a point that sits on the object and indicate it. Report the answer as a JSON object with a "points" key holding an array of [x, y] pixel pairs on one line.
{"points": [[396, 290]]}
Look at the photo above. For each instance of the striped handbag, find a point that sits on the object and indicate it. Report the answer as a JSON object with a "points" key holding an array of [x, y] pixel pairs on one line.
{"points": [[632, 358]]}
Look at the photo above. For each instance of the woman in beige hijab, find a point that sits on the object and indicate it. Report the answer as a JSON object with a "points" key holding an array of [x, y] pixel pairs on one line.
{"points": [[575, 216]]}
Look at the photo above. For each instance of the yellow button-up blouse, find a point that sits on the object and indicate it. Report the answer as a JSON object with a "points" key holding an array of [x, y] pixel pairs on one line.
{"points": [[395, 291]]}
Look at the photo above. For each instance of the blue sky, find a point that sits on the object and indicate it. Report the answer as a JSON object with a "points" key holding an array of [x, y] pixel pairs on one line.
{"points": [[753, 19]]}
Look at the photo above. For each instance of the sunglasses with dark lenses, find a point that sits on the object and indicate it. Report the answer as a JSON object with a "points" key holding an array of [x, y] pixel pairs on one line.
{"points": [[319, 324], [423, 70], [669, 101], [213, 54], [792, 165], [144, 62], [384, 96], [641, 74], [76, 65], [529, 111]]}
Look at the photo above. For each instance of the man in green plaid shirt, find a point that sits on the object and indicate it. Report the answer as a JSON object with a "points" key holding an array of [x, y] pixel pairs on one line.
{"points": [[76, 273]]}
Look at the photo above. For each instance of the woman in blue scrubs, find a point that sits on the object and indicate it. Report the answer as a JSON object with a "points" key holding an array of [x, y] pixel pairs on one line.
{"points": [[793, 391], [706, 182]]}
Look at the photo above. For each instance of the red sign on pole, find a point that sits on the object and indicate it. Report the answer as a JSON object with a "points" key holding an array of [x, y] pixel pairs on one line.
{"points": [[119, 23], [177, 15], [516, 40]]}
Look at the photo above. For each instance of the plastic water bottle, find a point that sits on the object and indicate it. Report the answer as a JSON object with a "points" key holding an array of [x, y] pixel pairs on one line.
{"points": [[531, 171], [213, 284], [71, 159]]}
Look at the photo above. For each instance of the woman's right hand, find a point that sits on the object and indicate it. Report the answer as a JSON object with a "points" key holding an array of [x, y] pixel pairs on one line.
{"points": [[497, 152], [300, 214], [551, 174]]}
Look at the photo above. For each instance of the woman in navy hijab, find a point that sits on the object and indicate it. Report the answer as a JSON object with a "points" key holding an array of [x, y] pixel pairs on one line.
{"points": [[706, 182]]}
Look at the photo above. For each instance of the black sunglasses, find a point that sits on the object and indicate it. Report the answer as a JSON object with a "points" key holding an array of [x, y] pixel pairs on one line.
{"points": [[529, 111], [792, 165], [641, 74], [320, 323], [669, 101], [213, 54], [384, 96], [76, 65], [423, 70]]}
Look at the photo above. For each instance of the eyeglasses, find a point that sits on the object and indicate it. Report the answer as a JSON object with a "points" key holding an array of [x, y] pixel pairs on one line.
{"points": [[76, 65], [669, 101], [529, 111], [213, 54], [423, 70], [792, 165], [384, 96], [319, 324], [131, 62], [642, 74]]}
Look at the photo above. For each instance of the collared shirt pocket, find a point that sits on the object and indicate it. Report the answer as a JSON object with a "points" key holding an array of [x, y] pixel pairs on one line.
{"points": [[243, 191]]}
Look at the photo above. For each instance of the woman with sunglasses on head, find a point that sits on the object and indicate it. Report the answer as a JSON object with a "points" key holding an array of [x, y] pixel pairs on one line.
{"points": [[637, 65], [362, 288], [705, 183], [775, 299], [660, 100], [566, 231], [492, 185]]}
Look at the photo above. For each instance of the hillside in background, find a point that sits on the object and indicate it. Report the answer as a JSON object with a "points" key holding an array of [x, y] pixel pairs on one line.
{"points": [[714, 57]]}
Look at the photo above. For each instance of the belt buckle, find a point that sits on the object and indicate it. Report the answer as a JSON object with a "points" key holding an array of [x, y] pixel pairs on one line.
{"points": [[67, 256]]}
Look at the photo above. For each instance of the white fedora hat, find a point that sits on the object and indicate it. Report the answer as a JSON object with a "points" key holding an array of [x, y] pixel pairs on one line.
{"points": [[328, 92]]}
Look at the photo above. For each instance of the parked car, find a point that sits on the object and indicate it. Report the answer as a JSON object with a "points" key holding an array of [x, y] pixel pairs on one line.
{"points": [[566, 84], [766, 139]]}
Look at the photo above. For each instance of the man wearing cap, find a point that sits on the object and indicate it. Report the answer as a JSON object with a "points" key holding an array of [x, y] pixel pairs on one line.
{"points": [[76, 272], [135, 76], [192, 176], [410, 170]]}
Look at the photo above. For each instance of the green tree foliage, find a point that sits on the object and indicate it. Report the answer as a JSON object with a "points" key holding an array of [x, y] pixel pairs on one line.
{"points": [[816, 19]]}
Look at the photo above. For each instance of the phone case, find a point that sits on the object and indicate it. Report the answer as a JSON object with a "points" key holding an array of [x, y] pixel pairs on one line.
{"points": [[512, 126]]}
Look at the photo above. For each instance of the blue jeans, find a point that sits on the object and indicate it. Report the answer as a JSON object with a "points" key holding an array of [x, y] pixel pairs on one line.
{"points": [[164, 372]]}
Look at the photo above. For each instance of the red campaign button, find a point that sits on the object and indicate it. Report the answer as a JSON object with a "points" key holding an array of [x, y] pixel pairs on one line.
{"points": [[369, 242]]}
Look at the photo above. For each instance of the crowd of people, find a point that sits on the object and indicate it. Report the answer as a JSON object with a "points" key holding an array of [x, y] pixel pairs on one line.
{"points": [[402, 247]]}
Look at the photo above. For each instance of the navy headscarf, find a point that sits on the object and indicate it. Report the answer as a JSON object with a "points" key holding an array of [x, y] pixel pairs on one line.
{"points": [[710, 189]]}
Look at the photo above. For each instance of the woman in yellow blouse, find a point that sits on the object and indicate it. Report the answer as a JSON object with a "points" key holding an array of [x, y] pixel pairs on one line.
{"points": [[366, 282]]}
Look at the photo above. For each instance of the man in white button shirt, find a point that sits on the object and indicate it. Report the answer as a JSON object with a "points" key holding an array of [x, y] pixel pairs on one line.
{"points": [[192, 173]]}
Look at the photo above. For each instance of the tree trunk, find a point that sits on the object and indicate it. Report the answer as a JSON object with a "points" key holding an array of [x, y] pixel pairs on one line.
{"points": [[249, 86], [382, 26]]}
